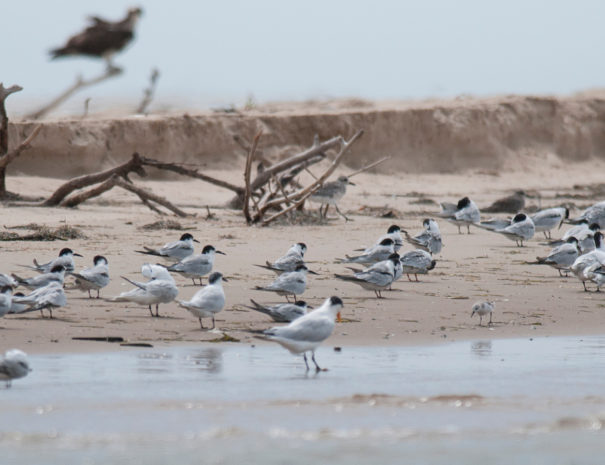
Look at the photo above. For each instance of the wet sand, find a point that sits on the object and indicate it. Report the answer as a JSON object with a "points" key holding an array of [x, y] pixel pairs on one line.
{"points": [[531, 301]]}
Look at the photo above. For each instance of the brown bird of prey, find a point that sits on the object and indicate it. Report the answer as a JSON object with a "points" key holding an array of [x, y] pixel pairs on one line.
{"points": [[101, 39]]}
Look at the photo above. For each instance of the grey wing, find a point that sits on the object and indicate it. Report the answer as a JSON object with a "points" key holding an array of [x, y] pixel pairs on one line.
{"points": [[447, 210], [311, 330], [494, 224], [288, 262]]}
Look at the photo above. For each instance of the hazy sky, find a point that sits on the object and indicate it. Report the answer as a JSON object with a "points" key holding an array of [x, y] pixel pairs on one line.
{"points": [[220, 52]]}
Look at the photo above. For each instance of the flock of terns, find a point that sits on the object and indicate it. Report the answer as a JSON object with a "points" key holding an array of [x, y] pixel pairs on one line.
{"points": [[375, 268]]}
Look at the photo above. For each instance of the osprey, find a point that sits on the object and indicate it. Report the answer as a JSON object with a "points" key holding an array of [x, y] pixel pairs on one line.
{"points": [[101, 39]]}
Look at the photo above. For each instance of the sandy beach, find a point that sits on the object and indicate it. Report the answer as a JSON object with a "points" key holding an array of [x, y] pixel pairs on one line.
{"points": [[531, 301]]}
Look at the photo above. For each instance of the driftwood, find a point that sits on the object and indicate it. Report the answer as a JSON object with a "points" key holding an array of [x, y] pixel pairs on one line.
{"points": [[135, 164], [299, 196], [115, 180], [76, 86], [247, 190], [5, 156]]}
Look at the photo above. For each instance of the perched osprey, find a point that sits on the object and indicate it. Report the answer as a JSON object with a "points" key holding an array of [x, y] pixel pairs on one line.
{"points": [[101, 38]]}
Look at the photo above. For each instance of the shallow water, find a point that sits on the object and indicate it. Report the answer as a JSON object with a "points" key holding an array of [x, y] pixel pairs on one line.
{"points": [[540, 401]]}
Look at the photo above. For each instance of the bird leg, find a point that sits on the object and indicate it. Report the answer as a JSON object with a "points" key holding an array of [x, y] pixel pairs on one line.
{"points": [[480, 320], [468, 229], [459, 230], [340, 213], [201, 324], [490, 320], [98, 293], [317, 368], [305, 358], [416, 276], [584, 284], [213, 325], [150, 310], [193, 279], [89, 296], [50, 311], [409, 279], [157, 310]]}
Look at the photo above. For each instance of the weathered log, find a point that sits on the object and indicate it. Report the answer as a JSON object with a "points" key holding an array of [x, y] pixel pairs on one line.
{"points": [[135, 164]]}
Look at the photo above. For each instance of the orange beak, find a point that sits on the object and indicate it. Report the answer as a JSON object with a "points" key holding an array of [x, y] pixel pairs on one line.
{"points": [[338, 317]]}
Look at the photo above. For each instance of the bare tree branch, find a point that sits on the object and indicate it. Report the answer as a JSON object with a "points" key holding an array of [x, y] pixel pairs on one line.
{"points": [[79, 84], [81, 197], [249, 159], [371, 165], [290, 208], [144, 194], [148, 93], [5, 160]]}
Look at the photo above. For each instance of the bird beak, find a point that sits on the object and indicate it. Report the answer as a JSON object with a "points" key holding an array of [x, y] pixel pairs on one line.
{"points": [[225, 279], [351, 183], [77, 255], [309, 307], [312, 272], [218, 251], [338, 318], [195, 240]]}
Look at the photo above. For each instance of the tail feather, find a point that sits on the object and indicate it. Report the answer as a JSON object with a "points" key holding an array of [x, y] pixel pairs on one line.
{"points": [[347, 278], [149, 251], [19, 279], [258, 307]]}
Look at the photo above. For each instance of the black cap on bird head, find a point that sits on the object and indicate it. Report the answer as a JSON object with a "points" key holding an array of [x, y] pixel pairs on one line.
{"points": [[432, 265], [387, 241], [208, 249], [519, 217], [300, 303], [463, 202], [393, 228], [394, 257], [216, 276], [188, 237], [336, 301], [594, 227], [566, 213], [5, 289], [598, 237], [68, 251], [303, 246], [57, 269], [98, 259], [345, 180], [571, 240]]}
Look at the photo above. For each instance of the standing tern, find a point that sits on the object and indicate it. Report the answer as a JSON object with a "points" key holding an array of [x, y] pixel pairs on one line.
{"points": [[291, 283], [417, 262], [482, 309], [174, 251], [521, 228], [584, 261], [377, 277], [548, 219], [330, 194], [306, 333], [429, 239], [596, 274], [281, 313], [56, 274], [196, 266], [373, 254], [160, 289], [208, 301], [95, 278], [464, 213], [560, 257], [593, 214], [13, 365], [65, 259], [48, 298], [288, 262]]}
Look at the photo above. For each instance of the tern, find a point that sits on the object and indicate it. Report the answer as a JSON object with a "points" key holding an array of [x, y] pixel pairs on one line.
{"points": [[289, 261], [584, 261], [160, 289], [43, 298], [306, 333], [281, 313], [373, 254], [521, 228], [429, 239], [65, 259], [464, 213], [174, 251], [208, 301], [417, 262], [377, 277], [95, 278], [593, 214], [548, 219], [291, 283], [196, 266], [56, 274], [560, 257], [330, 194], [13, 365]]}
